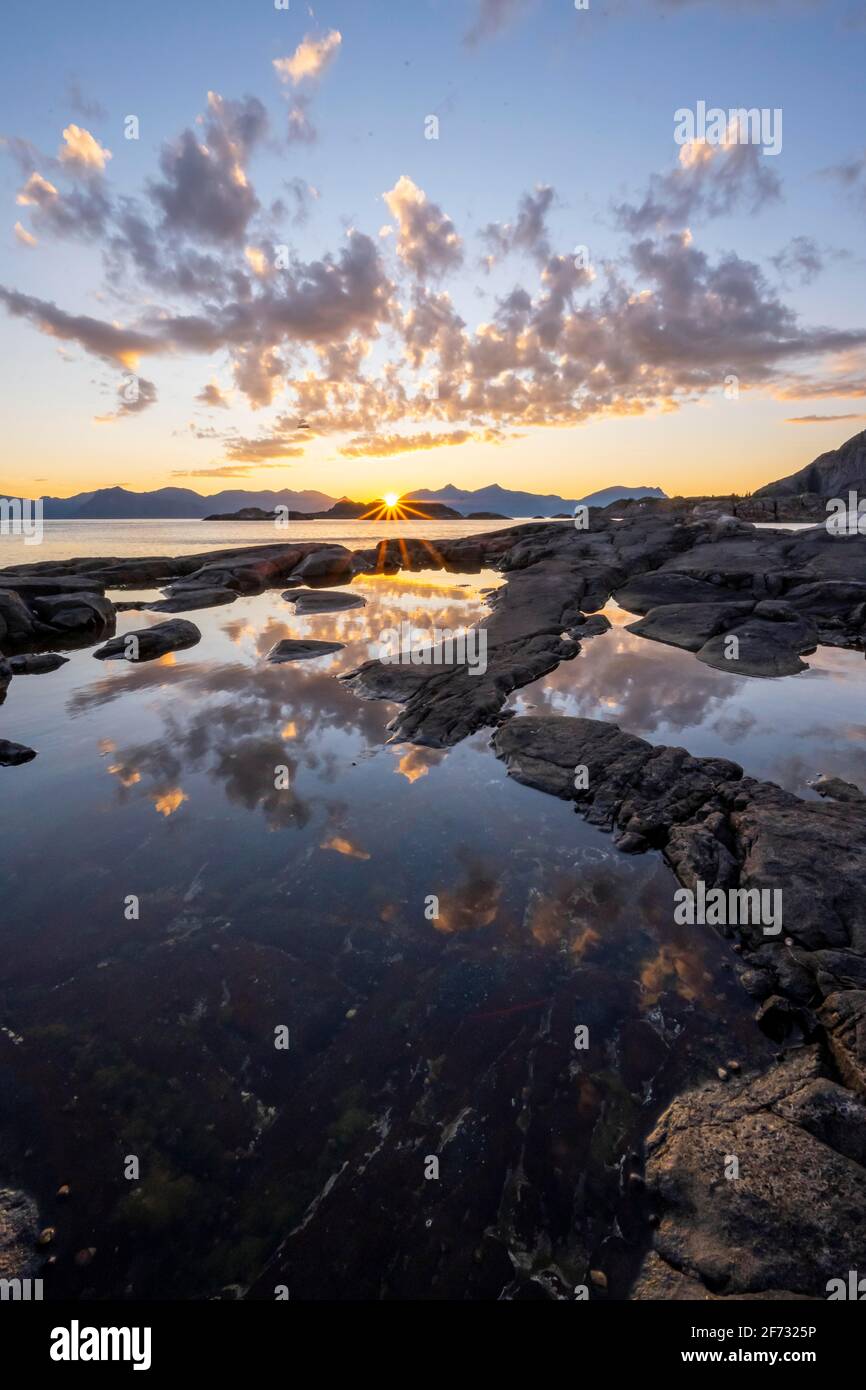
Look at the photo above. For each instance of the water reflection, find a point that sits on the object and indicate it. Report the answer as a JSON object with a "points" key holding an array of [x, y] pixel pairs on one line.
{"points": [[664, 694], [300, 900]]}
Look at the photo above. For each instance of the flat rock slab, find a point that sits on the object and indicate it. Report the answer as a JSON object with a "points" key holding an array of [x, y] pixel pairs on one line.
{"points": [[37, 663], [14, 754], [689, 625], [150, 642], [187, 600], [314, 601], [298, 650], [792, 1218], [662, 588], [765, 647]]}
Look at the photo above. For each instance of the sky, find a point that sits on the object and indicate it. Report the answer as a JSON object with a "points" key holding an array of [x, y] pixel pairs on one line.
{"points": [[365, 246]]}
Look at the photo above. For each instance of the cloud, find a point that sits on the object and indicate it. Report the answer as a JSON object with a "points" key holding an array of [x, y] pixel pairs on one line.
{"points": [[302, 195], [226, 470], [274, 446], [26, 238], [310, 59], [81, 149], [527, 233], [299, 128], [492, 17], [205, 189], [819, 419], [76, 100], [80, 212], [801, 258], [709, 181], [211, 395], [427, 241], [135, 394], [383, 446], [104, 340]]}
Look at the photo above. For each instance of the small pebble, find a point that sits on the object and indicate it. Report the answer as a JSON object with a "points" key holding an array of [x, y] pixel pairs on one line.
{"points": [[733, 1065], [63, 1190], [599, 1278], [46, 1236], [722, 1074]]}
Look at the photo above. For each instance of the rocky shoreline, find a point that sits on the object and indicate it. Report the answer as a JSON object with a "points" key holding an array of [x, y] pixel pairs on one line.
{"points": [[753, 602]]}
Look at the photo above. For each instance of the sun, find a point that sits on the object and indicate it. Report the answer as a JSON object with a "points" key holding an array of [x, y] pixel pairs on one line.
{"points": [[391, 499]]}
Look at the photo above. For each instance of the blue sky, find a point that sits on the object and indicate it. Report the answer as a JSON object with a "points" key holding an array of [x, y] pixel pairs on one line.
{"points": [[745, 258]]}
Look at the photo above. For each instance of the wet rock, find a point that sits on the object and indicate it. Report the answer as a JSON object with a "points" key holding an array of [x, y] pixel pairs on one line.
{"points": [[838, 789], [666, 589], [187, 600], [765, 647], [844, 1017], [17, 623], [332, 565], [19, 1228], [83, 615], [312, 601], [37, 663], [689, 625], [789, 1220], [291, 649], [14, 754], [593, 625], [148, 643], [758, 983]]}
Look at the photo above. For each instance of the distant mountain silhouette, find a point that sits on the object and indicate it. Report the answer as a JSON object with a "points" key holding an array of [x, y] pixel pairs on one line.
{"points": [[833, 474], [173, 503], [177, 503], [511, 503]]}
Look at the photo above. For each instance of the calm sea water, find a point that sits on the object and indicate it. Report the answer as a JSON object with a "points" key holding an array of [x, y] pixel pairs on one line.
{"points": [[167, 907], [66, 540]]}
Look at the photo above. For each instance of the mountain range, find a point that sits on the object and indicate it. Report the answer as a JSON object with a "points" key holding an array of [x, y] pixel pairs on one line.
{"points": [[177, 503]]}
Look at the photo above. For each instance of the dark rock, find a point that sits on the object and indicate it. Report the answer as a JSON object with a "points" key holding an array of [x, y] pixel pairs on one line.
{"points": [[765, 647], [300, 650], [665, 589], [14, 754], [148, 643], [83, 615], [36, 664], [689, 625], [332, 565], [593, 625], [187, 600], [312, 601]]}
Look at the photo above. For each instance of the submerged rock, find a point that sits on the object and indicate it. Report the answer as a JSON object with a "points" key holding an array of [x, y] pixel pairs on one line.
{"points": [[37, 663], [188, 599], [314, 601], [291, 649], [14, 754], [148, 643]]}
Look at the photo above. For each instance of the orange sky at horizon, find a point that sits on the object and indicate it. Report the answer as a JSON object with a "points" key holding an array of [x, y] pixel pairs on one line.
{"points": [[712, 446]]}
